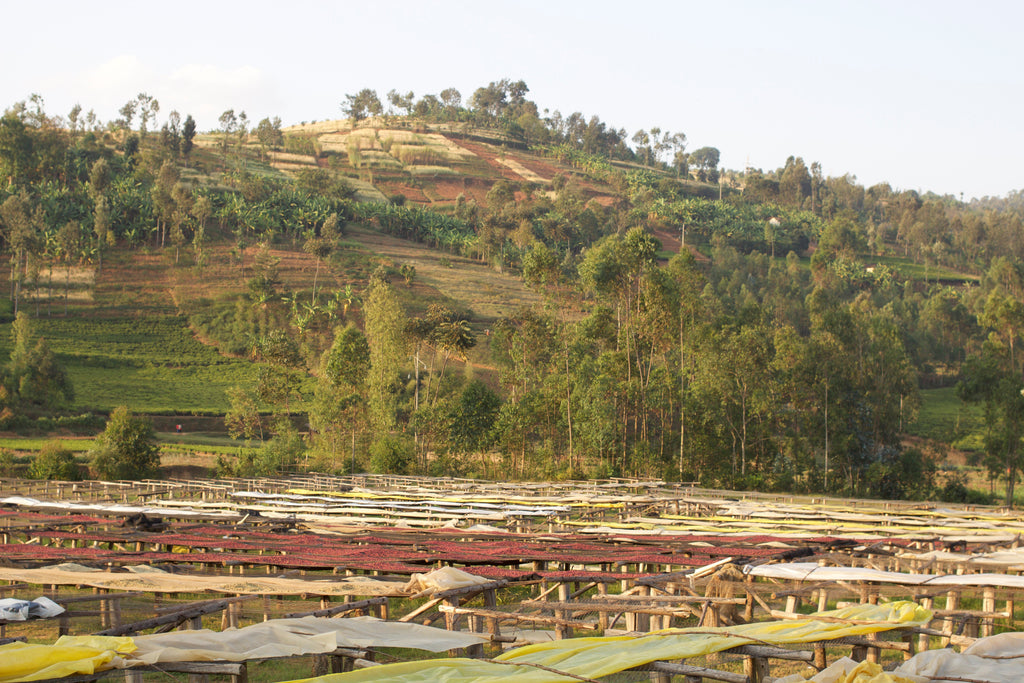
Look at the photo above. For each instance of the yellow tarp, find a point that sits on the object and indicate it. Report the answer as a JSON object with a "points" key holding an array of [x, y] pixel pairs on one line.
{"points": [[597, 657], [69, 656]]}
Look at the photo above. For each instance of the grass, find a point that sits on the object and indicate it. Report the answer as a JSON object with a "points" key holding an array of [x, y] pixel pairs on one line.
{"points": [[920, 271], [944, 417], [152, 364]]}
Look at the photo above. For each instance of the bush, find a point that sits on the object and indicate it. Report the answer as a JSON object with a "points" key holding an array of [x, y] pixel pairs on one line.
{"points": [[54, 462], [126, 448], [391, 455], [281, 452], [8, 464]]}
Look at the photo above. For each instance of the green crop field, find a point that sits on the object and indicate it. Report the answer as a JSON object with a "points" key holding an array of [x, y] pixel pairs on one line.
{"points": [[153, 364], [920, 271], [944, 417]]}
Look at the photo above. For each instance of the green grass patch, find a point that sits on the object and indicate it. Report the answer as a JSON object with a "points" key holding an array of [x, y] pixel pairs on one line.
{"points": [[35, 444], [944, 417], [920, 271], [152, 364]]}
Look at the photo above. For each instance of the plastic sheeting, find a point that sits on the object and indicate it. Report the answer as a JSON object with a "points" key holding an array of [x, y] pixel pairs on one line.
{"points": [[290, 637], [12, 609], [998, 659], [445, 578], [846, 670], [162, 582], [67, 657], [81, 655], [809, 571], [597, 657]]}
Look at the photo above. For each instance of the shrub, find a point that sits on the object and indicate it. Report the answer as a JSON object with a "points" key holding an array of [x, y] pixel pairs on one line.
{"points": [[8, 465], [391, 455], [281, 452], [54, 462], [126, 448]]}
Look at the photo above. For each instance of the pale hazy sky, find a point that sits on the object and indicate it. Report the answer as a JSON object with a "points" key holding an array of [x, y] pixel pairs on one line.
{"points": [[925, 95]]}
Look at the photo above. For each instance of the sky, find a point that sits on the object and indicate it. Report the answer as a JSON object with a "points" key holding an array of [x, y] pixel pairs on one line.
{"points": [[924, 95]]}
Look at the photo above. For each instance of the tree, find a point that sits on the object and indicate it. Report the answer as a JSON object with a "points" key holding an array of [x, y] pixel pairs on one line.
{"points": [[243, 417], [988, 381], [391, 454], [384, 327], [127, 113], [400, 101], [99, 178], [68, 240], [188, 134], [320, 248], [452, 100], [54, 462], [34, 377], [339, 403], [473, 418], [101, 228], [171, 133], [16, 148], [126, 449], [19, 228], [362, 104], [147, 108], [278, 379], [705, 160], [228, 125], [268, 133]]}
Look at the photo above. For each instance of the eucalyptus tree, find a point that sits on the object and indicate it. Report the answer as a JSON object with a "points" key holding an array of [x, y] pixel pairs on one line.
{"points": [[101, 228], [69, 239], [361, 105], [340, 398], [148, 107], [19, 223], [384, 326], [188, 134]]}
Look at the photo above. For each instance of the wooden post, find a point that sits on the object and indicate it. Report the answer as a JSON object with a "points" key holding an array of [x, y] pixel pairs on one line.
{"points": [[988, 604], [756, 669], [922, 640], [563, 597]]}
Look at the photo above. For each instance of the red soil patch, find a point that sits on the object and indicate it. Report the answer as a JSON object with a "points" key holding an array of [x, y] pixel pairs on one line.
{"points": [[412, 194], [670, 242], [491, 157]]}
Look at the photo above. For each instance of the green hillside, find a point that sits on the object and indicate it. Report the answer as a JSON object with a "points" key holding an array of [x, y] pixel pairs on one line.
{"points": [[474, 289]]}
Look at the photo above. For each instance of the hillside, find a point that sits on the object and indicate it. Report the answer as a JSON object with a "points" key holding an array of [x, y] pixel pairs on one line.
{"points": [[445, 292]]}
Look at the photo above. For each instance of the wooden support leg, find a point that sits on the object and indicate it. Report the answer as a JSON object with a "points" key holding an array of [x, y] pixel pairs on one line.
{"points": [[756, 669], [988, 604], [563, 596], [820, 658], [792, 603]]}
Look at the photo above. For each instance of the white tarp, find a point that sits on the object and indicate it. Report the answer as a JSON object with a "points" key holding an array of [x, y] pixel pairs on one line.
{"points": [[997, 659], [809, 571], [443, 579], [12, 609], [288, 637]]}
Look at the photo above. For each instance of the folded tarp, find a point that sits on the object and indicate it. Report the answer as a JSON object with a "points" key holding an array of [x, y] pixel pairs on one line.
{"points": [[67, 657], [12, 609]]}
